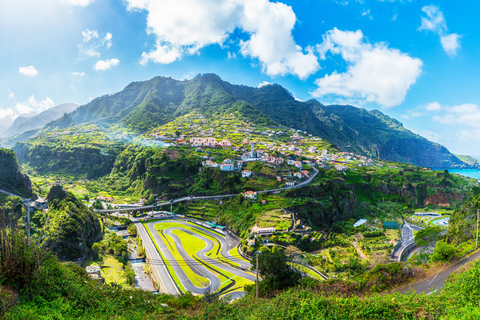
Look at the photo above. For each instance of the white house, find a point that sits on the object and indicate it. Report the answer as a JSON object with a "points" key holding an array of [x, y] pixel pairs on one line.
{"points": [[297, 175], [263, 231], [246, 173], [290, 183], [93, 269], [225, 143], [252, 195], [298, 164], [227, 167]]}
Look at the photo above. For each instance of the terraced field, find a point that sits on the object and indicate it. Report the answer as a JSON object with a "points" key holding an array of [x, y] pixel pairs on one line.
{"points": [[199, 259]]}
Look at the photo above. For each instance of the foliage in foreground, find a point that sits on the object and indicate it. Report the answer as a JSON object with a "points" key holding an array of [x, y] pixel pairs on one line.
{"points": [[64, 291]]}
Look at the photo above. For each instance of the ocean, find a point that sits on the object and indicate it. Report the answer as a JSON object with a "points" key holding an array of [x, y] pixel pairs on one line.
{"points": [[472, 173]]}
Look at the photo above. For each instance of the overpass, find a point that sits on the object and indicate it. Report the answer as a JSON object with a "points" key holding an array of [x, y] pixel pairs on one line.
{"points": [[174, 201]]}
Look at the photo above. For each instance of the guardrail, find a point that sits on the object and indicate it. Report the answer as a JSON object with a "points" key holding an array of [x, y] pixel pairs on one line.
{"points": [[406, 250]]}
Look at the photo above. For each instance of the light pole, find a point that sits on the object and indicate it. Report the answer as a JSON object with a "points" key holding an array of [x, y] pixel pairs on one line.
{"points": [[256, 280], [476, 240]]}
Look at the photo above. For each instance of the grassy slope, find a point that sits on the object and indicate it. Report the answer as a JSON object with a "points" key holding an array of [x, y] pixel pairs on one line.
{"points": [[65, 292]]}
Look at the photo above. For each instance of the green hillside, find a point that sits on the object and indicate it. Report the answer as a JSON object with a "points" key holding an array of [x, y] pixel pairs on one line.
{"points": [[142, 106]]}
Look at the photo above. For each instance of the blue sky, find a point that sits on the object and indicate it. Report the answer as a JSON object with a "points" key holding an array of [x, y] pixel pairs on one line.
{"points": [[416, 60]]}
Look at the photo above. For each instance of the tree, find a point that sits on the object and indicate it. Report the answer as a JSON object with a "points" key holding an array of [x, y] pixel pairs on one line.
{"points": [[275, 270], [427, 236], [132, 229], [443, 251]]}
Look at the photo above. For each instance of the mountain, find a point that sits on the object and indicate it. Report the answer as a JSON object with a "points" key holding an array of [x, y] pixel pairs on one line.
{"points": [[23, 124], [142, 106], [377, 135], [11, 179]]}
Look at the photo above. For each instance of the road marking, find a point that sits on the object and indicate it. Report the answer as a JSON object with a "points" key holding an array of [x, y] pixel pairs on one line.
{"points": [[432, 292]]}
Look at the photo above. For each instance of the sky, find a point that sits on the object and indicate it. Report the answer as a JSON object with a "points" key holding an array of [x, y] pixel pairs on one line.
{"points": [[414, 60]]}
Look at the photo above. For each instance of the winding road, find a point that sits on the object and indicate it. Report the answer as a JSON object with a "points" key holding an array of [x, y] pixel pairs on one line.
{"points": [[198, 267], [178, 200]]}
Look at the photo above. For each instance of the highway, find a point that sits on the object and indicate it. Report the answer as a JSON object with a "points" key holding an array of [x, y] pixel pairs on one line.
{"points": [[407, 239], [178, 200], [166, 284]]}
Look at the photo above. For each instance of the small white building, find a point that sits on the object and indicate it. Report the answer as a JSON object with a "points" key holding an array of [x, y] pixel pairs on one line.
{"points": [[93, 269], [252, 195], [263, 231], [246, 173], [225, 143], [227, 167]]}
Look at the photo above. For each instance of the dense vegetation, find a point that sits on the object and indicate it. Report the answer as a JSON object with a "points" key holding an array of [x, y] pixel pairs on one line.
{"points": [[47, 289], [69, 227], [10, 176]]}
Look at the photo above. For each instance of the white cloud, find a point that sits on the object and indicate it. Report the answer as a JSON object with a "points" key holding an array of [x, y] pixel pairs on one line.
{"points": [[422, 110], [264, 83], [4, 113], [10, 94], [433, 106], [375, 73], [32, 106], [450, 43], [80, 3], [92, 42], [89, 35], [435, 22], [29, 71], [107, 40], [78, 74], [180, 28], [464, 114], [106, 64], [366, 13], [88, 52]]}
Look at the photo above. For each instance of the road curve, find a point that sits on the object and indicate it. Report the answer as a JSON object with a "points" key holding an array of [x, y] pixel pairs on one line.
{"points": [[436, 282], [194, 265]]}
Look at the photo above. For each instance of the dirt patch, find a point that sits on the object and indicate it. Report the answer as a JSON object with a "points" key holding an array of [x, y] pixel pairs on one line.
{"points": [[173, 154], [443, 199]]}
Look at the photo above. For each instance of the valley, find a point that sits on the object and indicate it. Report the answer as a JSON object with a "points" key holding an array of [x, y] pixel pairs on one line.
{"points": [[213, 181]]}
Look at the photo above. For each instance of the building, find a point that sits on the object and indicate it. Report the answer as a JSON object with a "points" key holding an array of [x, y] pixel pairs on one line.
{"points": [[298, 164], [263, 231], [41, 203], [227, 167], [225, 143], [297, 175], [289, 183], [196, 141], [93, 269], [306, 173], [359, 223], [246, 173], [390, 225], [252, 195]]}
